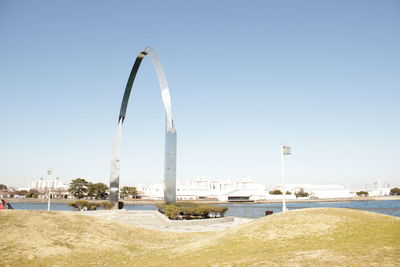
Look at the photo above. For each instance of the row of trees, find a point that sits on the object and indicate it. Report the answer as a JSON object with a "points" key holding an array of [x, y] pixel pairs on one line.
{"points": [[300, 193], [278, 192], [393, 192], [129, 191], [32, 193], [80, 188]]}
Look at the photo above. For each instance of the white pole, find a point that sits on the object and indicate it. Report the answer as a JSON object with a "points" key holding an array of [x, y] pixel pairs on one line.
{"points": [[49, 185], [48, 203], [283, 182]]}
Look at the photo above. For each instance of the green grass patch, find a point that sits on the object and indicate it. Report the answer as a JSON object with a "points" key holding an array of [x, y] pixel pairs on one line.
{"points": [[307, 237]]}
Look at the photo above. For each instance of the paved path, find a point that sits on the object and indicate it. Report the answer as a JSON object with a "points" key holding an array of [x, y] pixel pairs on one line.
{"points": [[155, 220]]}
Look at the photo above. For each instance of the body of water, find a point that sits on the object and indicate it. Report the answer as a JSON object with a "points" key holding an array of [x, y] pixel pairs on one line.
{"points": [[251, 210], [388, 207]]}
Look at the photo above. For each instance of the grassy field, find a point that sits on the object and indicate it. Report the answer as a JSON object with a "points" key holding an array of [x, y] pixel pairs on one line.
{"points": [[307, 237]]}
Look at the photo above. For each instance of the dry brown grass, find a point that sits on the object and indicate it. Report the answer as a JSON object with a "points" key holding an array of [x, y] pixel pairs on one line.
{"points": [[309, 237]]}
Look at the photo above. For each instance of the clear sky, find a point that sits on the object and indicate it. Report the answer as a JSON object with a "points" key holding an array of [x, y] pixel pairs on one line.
{"points": [[245, 76]]}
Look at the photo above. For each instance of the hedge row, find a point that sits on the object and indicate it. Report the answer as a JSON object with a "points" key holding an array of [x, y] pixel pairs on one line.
{"points": [[190, 210], [81, 204], [107, 205]]}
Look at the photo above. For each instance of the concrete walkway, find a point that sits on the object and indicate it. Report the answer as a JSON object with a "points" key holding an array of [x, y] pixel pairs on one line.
{"points": [[156, 220]]}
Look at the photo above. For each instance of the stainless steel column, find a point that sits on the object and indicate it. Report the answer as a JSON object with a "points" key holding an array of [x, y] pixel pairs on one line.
{"points": [[115, 163], [170, 167], [170, 132]]}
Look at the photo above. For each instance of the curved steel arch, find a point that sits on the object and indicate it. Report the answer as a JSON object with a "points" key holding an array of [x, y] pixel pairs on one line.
{"points": [[170, 133]]}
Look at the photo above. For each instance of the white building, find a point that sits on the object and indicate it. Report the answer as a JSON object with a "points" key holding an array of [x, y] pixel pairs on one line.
{"points": [[247, 189], [208, 189], [153, 192], [314, 191], [378, 192], [41, 184]]}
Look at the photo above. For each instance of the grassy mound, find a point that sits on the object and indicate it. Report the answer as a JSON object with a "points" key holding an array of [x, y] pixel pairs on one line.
{"points": [[314, 237]]}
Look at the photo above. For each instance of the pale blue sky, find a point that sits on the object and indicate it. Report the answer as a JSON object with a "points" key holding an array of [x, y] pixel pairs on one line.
{"points": [[245, 76]]}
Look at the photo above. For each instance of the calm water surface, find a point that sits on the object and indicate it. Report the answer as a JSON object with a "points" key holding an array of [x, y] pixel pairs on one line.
{"points": [[388, 207]]}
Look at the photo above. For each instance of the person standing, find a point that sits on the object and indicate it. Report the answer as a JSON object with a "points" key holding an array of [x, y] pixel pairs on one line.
{"points": [[2, 204]]}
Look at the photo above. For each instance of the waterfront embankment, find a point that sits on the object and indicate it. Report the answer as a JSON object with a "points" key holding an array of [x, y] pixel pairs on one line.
{"points": [[150, 202]]}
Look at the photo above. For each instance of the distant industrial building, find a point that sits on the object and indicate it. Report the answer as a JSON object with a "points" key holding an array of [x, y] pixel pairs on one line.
{"points": [[209, 189], [203, 188], [41, 184], [314, 191], [378, 192]]}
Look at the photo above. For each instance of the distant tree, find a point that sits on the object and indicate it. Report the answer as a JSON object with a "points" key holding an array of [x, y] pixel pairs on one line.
{"points": [[32, 193], [3, 187], [129, 191], [24, 193], [395, 191], [78, 188], [276, 192], [288, 193], [301, 193], [57, 193], [362, 193], [21, 193], [97, 190]]}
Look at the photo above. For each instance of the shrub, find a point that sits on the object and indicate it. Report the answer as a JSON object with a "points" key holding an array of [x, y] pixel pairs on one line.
{"points": [[301, 193], [172, 211], [107, 205], [33, 193], [395, 191], [80, 204], [190, 210], [184, 204], [276, 192], [219, 210], [362, 193]]}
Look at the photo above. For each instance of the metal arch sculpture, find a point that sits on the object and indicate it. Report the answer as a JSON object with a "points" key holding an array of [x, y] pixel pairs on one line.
{"points": [[170, 132]]}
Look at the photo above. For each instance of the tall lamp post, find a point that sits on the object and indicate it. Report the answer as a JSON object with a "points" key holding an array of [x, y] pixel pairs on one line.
{"points": [[48, 201], [285, 150]]}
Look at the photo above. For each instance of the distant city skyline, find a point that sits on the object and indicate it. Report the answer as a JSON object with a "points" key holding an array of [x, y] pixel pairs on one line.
{"points": [[320, 77], [48, 178]]}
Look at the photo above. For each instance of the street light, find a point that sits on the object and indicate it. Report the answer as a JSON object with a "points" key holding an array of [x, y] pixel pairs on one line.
{"points": [[49, 172], [285, 150]]}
